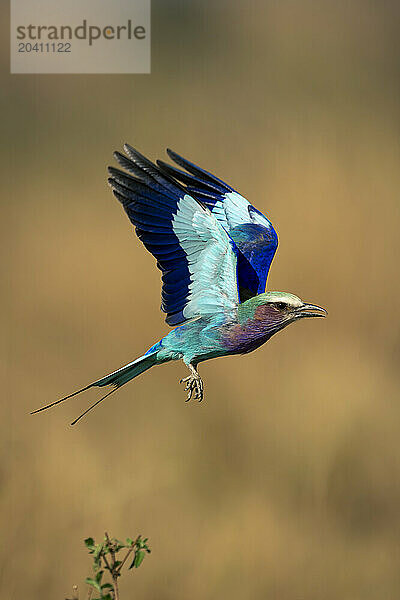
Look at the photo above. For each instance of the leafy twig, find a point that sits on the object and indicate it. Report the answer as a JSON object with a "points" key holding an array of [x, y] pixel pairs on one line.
{"points": [[105, 559]]}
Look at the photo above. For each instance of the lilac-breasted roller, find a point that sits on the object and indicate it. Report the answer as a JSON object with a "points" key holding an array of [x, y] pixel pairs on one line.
{"points": [[214, 250]]}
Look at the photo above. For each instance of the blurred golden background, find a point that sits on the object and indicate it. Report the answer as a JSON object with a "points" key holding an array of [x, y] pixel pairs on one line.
{"points": [[285, 482]]}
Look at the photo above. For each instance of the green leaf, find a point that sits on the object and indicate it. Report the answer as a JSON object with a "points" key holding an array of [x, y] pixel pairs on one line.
{"points": [[89, 543], [129, 541], [99, 575], [139, 556], [107, 586], [98, 549], [93, 583]]}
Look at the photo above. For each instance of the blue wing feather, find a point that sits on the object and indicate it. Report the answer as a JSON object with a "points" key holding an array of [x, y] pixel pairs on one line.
{"points": [[198, 259], [252, 232]]}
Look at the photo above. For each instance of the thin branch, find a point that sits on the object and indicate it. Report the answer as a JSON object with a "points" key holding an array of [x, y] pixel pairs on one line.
{"points": [[131, 549], [114, 571], [106, 561]]}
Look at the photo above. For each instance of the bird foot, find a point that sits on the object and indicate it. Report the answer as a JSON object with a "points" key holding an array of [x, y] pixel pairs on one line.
{"points": [[194, 385]]}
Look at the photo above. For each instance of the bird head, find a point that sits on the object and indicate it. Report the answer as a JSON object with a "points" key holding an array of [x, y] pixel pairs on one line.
{"points": [[276, 310]]}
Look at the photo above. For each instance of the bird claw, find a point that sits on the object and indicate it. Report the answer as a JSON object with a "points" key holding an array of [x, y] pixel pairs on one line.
{"points": [[194, 387]]}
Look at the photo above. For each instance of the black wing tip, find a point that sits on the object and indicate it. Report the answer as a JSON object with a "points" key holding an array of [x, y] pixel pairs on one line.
{"points": [[121, 177], [131, 156], [132, 152], [128, 148], [172, 171], [137, 156], [113, 183], [200, 173], [114, 171], [171, 153], [118, 193], [162, 163]]}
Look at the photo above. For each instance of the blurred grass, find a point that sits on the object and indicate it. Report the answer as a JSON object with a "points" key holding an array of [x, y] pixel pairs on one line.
{"points": [[284, 483]]}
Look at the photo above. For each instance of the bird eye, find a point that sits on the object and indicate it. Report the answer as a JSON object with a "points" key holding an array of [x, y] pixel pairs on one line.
{"points": [[280, 305]]}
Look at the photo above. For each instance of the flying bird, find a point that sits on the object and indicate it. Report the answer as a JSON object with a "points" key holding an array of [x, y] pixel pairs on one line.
{"points": [[214, 250]]}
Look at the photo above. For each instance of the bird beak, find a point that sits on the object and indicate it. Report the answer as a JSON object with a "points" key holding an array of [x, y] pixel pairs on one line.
{"points": [[310, 310]]}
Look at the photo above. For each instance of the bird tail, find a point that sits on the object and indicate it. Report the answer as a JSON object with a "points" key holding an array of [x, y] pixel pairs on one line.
{"points": [[128, 372], [116, 379]]}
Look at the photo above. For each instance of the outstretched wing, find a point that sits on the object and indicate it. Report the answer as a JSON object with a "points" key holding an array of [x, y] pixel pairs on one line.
{"points": [[196, 255], [251, 231]]}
